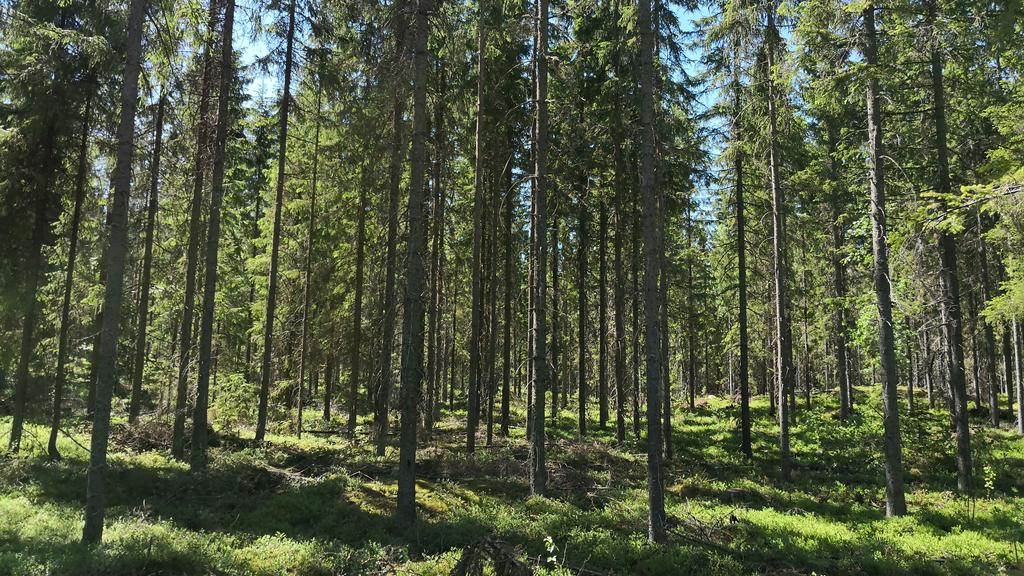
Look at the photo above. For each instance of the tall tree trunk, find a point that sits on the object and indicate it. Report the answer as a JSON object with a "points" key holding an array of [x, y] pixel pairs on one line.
{"points": [[620, 277], [582, 233], [81, 177], [691, 328], [308, 272], [602, 313], [266, 372], [652, 297], [437, 254], [106, 372], [382, 397], [355, 356], [538, 468], [192, 250], [135, 403], [199, 416], [556, 300], [837, 230], [476, 268], [952, 320], [784, 373], [895, 504], [506, 366], [412, 329], [741, 258]]}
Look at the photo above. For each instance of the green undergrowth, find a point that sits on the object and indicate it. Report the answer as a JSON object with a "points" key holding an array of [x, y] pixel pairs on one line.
{"points": [[324, 504]]}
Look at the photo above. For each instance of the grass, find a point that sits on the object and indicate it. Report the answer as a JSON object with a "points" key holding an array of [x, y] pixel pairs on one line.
{"points": [[325, 506]]}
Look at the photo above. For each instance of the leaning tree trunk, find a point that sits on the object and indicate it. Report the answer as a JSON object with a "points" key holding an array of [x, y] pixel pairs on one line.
{"points": [[266, 371], [949, 300], [206, 326], [412, 331], [895, 504], [113, 295], [538, 468], [652, 303], [135, 403], [69, 277]]}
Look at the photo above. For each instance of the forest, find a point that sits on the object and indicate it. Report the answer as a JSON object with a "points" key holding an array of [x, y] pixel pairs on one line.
{"points": [[510, 287]]}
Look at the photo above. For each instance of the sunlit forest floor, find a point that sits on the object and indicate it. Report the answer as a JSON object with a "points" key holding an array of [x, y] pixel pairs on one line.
{"points": [[324, 505]]}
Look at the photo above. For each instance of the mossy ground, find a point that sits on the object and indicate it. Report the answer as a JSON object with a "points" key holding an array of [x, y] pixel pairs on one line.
{"points": [[325, 505]]}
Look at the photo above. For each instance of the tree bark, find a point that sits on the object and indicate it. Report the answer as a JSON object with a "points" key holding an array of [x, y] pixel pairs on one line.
{"points": [[538, 468], [784, 373], [135, 403], [652, 299], [602, 313], [476, 270], [192, 250], [266, 372], [895, 504], [106, 369], [199, 416], [412, 330], [949, 302]]}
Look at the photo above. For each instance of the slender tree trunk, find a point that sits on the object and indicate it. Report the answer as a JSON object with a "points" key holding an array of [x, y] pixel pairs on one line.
{"points": [[135, 403], [952, 320], [199, 417], [602, 313], [192, 251], [620, 279], [1018, 375], [895, 504], [741, 258], [437, 255], [382, 397], [308, 272], [784, 373], [69, 277], [355, 356], [412, 329], [506, 369], [266, 372], [555, 313], [476, 271], [652, 304], [113, 295], [691, 328], [538, 468], [582, 384]]}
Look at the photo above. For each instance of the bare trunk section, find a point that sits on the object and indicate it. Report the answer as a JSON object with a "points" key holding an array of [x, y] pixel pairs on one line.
{"points": [[113, 296], [412, 325], [206, 326], [895, 504], [135, 403], [266, 372]]}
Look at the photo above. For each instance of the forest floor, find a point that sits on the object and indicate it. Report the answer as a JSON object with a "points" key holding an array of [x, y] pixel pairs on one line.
{"points": [[325, 505]]}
